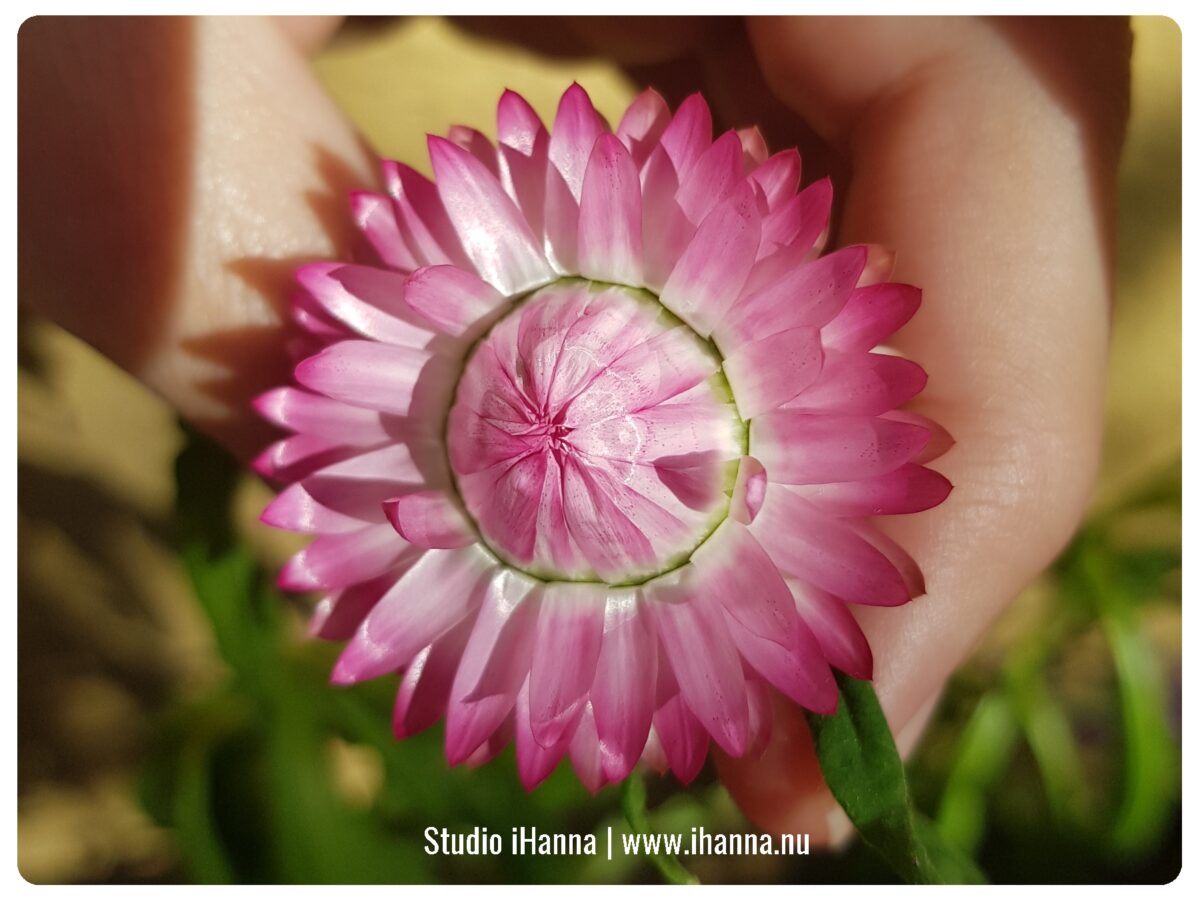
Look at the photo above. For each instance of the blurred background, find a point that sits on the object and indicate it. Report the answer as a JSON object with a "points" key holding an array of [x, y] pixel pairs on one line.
{"points": [[174, 724]]}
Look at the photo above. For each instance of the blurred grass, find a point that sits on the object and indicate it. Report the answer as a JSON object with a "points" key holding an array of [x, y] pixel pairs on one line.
{"points": [[174, 724]]}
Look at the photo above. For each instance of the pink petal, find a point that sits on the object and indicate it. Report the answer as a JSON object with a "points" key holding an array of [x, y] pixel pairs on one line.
{"points": [[297, 509], [610, 216], [585, 753], [450, 298], [502, 638], [621, 701], [693, 477], [906, 565], [871, 315], [666, 231], [792, 229], [433, 596], [607, 536], [375, 216], [643, 124], [806, 296], [338, 615], [749, 490], [861, 384], [429, 519], [376, 375], [477, 144], [712, 178], [826, 552], [910, 488], [308, 413], [517, 125], [758, 694], [799, 448], [798, 670], [421, 218], [713, 269], [737, 573], [766, 373], [425, 690], [778, 177], [683, 739], [493, 232], [341, 559], [576, 127], [689, 134], [842, 640], [524, 161], [294, 457], [940, 440], [754, 147], [702, 656], [569, 632], [507, 656], [881, 262], [535, 762]]}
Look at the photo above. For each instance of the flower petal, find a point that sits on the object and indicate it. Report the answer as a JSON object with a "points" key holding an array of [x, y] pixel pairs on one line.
{"points": [[425, 690], [493, 232], [622, 704], [689, 134], [801, 448], [683, 739], [495, 662], [910, 488], [871, 315], [807, 295], [569, 632], [429, 519], [308, 413], [712, 178], [345, 558], [643, 124], [421, 218], [610, 216], [766, 373], [842, 641], [535, 762], [442, 588], [378, 376], [778, 177], [861, 384], [710, 274], [826, 552], [450, 298], [375, 216], [703, 658]]}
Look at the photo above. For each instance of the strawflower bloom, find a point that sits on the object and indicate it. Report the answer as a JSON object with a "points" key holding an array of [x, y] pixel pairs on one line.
{"points": [[589, 449]]}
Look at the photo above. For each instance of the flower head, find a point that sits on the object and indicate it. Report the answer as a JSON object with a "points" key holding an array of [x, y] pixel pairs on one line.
{"points": [[589, 449]]}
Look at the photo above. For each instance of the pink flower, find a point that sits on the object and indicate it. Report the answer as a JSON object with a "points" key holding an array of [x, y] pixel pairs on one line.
{"points": [[589, 452]]}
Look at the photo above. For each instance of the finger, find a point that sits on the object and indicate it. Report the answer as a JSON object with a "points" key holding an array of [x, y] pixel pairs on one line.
{"points": [[173, 174], [991, 176]]}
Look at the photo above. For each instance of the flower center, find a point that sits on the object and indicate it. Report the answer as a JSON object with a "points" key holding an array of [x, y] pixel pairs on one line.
{"points": [[593, 435]]}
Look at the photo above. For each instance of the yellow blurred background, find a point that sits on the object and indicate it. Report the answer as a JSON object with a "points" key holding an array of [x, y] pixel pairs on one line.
{"points": [[107, 626]]}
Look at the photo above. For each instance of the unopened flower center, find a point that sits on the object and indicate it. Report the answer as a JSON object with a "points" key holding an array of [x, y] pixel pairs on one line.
{"points": [[593, 436]]}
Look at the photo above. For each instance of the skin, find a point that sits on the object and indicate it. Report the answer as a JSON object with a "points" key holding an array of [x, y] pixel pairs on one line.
{"points": [[174, 173]]}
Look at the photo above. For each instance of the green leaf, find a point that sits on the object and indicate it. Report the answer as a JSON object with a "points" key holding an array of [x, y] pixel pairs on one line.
{"points": [[863, 770], [984, 752], [633, 802]]}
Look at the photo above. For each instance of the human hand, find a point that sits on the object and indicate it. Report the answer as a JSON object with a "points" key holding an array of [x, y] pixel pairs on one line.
{"points": [[982, 152]]}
